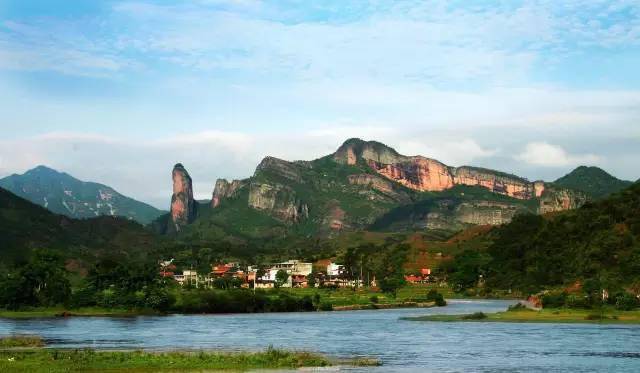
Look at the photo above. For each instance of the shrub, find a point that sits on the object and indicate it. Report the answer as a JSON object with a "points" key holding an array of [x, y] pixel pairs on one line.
{"points": [[517, 307], [374, 299], [83, 297], [554, 300], [475, 316], [434, 296], [326, 306], [578, 301], [626, 302]]}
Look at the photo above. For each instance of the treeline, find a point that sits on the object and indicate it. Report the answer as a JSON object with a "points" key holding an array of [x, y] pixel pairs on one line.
{"points": [[590, 250], [44, 282]]}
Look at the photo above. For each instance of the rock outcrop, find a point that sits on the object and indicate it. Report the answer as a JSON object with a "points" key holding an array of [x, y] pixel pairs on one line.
{"points": [[559, 199], [225, 189], [429, 175], [278, 200], [279, 167], [183, 207]]}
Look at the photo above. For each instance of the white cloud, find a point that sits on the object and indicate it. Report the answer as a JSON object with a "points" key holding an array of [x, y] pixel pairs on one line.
{"points": [[548, 155]]}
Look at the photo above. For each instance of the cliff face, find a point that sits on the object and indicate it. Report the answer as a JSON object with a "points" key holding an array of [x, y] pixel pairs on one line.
{"points": [[559, 199], [225, 189], [278, 200], [281, 168], [183, 207], [429, 175]]}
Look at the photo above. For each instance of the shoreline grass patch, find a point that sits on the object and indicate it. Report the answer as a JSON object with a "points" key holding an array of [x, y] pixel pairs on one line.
{"points": [[35, 360]]}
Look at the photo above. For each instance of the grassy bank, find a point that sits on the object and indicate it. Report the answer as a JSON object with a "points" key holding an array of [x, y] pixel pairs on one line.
{"points": [[37, 360], [346, 297], [63, 312], [550, 315], [241, 301]]}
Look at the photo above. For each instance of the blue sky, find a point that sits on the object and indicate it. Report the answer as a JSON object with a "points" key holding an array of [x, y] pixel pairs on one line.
{"points": [[118, 91]]}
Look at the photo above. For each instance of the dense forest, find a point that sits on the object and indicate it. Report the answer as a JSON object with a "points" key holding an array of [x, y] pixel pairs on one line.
{"points": [[593, 249]]}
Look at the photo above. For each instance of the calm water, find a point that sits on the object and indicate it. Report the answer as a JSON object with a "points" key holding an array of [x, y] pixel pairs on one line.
{"points": [[403, 346]]}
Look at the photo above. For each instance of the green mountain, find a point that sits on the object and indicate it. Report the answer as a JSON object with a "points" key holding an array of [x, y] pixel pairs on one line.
{"points": [[594, 181], [63, 194], [363, 185], [25, 226]]}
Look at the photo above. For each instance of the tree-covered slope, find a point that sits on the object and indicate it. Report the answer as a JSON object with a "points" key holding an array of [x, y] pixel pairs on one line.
{"points": [[63, 194], [594, 181], [25, 226], [599, 242]]}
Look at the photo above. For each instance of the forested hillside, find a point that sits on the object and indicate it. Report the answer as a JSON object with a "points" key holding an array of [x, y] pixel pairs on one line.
{"points": [[598, 245]]}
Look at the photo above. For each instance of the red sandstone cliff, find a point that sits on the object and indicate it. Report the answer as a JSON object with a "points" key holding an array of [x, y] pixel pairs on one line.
{"points": [[429, 175], [183, 207]]}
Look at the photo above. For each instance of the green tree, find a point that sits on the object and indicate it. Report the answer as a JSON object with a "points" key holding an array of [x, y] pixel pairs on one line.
{"points": [[281, 278], [41, 282]]}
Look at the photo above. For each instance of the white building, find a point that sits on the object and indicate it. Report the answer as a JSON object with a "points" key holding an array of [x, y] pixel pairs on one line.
{"points": [[334, 270]]}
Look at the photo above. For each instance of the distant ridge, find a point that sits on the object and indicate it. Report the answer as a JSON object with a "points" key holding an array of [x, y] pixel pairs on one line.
{"points": [[63, 194]]}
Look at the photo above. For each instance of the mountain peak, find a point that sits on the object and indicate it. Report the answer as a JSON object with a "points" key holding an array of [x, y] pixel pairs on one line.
{"points": [[593, 180], [63, 194], [43, 170], [354, 149]]}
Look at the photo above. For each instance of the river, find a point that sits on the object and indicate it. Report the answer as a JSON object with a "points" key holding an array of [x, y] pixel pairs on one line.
{"points": [[403, 346]]}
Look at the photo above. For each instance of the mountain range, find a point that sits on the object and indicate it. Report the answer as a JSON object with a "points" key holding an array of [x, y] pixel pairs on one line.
{"points": [[63, 194], [366, 185]]}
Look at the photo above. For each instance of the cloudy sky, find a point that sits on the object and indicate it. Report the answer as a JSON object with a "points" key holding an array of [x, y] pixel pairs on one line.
{"points": [[118, 91]]}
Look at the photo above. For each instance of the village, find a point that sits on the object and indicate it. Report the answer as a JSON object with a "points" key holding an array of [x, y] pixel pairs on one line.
{"points": [[292, 273]]}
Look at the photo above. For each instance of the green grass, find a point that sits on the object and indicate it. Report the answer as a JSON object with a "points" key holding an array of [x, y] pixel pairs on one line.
{"points": [[59, 312], [74, 360], [21, 341], [348, 297], [551, 315]]}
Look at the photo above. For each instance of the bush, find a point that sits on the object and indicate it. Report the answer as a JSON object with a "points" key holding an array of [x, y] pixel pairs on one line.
{"points": [[554, 300], [475, 316], [326, 306], [434, 296], [83, 297], [578, 301], [626, 302], [374, 299], [517, 307]]}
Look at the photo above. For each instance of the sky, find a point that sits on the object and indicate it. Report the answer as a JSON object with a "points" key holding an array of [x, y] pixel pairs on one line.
{"points": [[117, 92]]}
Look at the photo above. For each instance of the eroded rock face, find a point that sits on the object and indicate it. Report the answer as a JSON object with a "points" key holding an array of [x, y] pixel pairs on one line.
{"points": [[225, 189], [278, 200], [416, 173], [485, 213], [183, 207], [354, 149], [557, 199], [279, 167], [429, 175]]}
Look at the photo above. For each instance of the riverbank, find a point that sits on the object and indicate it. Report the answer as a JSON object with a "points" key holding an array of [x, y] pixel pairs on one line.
{"points": [[82, 312], [547, 315], [25, 354], [245, 301]]}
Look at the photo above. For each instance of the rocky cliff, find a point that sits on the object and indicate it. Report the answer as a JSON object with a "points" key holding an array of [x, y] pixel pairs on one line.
{"points": [[225, 189], [278, 200], [556, 199], [429, 175], [183, 207]]}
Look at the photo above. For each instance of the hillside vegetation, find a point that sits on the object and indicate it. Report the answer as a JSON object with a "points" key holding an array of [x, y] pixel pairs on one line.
{"points": [[594, 181], [594, 248]]}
